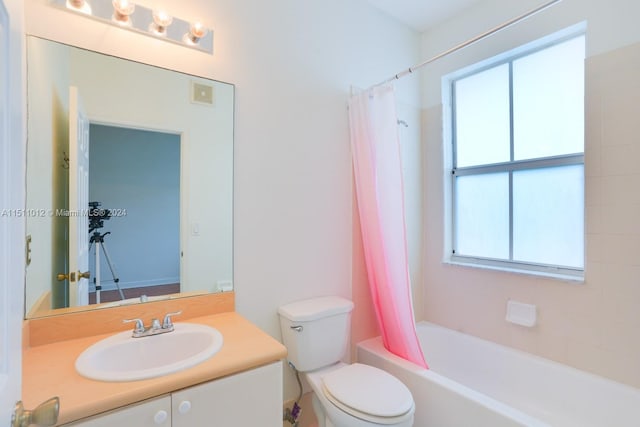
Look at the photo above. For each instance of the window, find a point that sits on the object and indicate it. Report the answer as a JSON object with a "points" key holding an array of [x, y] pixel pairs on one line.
{"points": [[518, 161]]}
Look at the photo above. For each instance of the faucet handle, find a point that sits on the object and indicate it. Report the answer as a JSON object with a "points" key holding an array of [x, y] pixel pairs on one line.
{"points": [[167, 323], [139, 324]]}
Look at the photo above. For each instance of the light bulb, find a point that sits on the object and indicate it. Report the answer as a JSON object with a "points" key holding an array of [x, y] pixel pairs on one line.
{"points": [[197, 30], [79, 5], [161, 20], [122, 9]]}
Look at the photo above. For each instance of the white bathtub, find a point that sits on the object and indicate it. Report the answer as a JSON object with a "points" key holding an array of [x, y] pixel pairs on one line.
{"points": [[477, 383]]}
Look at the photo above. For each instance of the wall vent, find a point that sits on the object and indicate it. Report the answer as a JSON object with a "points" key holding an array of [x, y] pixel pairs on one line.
{"points": [[201, 93]]}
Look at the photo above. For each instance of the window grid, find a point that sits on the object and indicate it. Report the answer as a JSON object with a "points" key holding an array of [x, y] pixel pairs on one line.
{"points": [[510, 167], [511, 158]]}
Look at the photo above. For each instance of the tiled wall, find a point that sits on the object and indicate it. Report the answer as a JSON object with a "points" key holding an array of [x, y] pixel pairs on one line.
{"points": [[593, 325], [612, 161]]}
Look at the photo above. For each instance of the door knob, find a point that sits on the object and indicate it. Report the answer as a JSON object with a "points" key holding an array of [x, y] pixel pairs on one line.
{"points": [[160, 417], [46, 414], [184, 407], [85, 275], [71, 277]]}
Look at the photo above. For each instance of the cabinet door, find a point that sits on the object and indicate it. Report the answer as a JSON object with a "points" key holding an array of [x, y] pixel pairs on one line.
{"points": [[251, 398], [150, 413]]}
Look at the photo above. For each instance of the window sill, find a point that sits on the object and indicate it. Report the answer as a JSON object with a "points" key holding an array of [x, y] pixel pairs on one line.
{"points": [[575, 279]]}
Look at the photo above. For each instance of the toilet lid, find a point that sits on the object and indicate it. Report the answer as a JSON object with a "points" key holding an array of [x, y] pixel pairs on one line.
{"points": [[368, 390]]}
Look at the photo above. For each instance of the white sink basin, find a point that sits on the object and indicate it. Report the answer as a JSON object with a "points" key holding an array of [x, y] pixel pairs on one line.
{"points": [[123, 358]]}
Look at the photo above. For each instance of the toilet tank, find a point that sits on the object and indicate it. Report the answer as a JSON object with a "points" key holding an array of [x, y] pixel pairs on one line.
{"points": [[316, 331]]}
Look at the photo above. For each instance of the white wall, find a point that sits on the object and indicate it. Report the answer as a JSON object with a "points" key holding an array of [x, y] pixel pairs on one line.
{"points": [[49, 130], [592, 325], [293, 64]]}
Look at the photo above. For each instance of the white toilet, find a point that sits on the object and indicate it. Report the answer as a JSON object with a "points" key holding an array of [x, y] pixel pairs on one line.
{"points": [[316, 333]]}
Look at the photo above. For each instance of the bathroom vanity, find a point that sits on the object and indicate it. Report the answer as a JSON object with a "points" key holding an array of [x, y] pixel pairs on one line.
{"points": [[239, 385]]}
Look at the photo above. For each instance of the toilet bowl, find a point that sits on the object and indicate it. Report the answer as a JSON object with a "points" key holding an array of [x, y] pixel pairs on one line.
{"points": [[316, 333], [359, 396]]}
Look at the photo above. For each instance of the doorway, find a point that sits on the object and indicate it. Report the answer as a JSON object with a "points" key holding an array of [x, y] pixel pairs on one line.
{"points": [[134, 176]]}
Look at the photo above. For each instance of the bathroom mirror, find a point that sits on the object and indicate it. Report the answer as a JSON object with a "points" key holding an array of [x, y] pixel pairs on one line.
{"points": [[129, 181]]}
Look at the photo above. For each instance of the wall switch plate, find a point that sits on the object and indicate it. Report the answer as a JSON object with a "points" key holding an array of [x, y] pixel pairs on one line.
{"points": [[195, 229]]}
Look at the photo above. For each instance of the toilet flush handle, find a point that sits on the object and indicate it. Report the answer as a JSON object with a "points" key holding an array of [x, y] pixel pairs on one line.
{"points": [[297, 328]]}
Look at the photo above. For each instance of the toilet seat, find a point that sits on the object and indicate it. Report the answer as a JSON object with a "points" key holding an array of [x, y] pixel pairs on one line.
{"points": [[368, 393]]}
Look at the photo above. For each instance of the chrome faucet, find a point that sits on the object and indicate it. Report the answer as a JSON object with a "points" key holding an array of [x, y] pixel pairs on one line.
{"points": [[156, 327]]}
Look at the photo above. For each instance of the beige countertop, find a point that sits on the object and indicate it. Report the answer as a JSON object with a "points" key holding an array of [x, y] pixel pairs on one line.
{"points": [[48, 369]]}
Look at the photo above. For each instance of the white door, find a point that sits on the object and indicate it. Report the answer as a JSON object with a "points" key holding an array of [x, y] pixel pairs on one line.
{"points": [[12, 192], [78, 200]]}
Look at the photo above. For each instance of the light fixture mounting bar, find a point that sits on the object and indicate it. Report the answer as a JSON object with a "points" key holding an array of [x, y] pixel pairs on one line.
{"points": [[179, 31]]}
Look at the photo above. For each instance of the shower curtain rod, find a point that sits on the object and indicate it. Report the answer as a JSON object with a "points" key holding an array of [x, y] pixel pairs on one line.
{"points": [[469, 42]]}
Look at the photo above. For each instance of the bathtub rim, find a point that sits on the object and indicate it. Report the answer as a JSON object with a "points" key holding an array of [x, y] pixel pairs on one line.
{"points": [[375, 346]]}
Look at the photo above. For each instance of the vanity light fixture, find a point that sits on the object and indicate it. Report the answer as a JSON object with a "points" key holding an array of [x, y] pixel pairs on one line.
{"points": [[122, 10], [157, 23]]}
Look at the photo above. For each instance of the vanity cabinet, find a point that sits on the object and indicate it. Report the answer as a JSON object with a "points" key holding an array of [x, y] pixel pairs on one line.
{"points": [[250, 398]]}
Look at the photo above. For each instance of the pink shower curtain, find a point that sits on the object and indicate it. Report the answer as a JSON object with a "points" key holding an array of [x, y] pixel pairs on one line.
{"points": [[379, 189]]}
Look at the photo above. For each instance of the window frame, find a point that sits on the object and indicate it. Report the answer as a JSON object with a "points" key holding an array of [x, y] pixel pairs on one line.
{"points": [[510, 166]]}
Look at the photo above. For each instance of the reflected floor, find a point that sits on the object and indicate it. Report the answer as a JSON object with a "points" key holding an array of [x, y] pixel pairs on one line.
{"points": [[110, 296]]}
